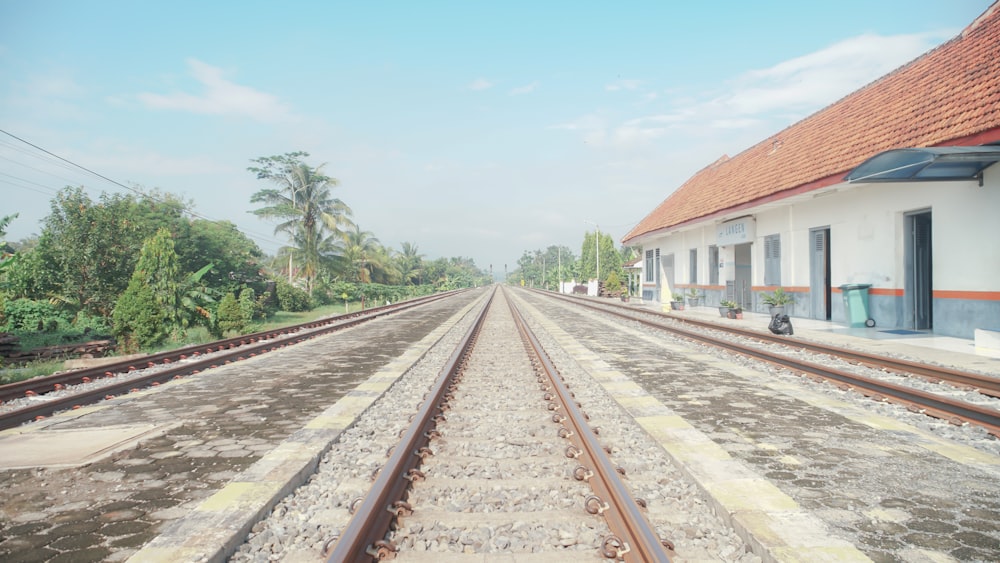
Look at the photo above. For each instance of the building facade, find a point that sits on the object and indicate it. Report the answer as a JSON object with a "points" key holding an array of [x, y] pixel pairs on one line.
{"points": [[891, 191]]}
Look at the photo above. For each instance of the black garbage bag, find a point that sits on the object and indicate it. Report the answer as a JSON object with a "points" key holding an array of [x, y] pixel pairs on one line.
{"points": [[781, 324]]}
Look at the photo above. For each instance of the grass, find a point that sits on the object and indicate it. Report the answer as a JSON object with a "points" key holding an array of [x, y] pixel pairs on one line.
{"points": [[196, 335]]}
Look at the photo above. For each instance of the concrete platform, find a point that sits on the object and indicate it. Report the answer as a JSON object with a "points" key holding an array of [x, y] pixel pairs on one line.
{"points": [[72, 447], [922, 345]]}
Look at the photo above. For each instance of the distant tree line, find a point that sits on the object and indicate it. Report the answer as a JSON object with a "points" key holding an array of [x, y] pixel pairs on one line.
{"points": [[142, 268], [546, 268]]}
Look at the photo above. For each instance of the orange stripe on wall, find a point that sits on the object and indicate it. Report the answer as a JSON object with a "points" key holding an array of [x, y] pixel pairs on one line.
{"points": [[886, 291], [771, 288], [971, 295]]}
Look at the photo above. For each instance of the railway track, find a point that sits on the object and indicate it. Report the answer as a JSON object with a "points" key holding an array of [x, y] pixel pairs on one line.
{"points": [[932, 404], [500, 448], [172, 364]]}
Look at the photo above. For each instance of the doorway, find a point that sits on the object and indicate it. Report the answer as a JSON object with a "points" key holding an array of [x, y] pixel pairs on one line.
{"points": [[819, 273], [668, 275], [743, 275], [918, 300]]}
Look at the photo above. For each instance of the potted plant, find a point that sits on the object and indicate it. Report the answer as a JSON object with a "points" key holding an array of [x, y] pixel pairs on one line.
{"points": [[726, 306], [693, 297], [677, 302], [777, 301]]}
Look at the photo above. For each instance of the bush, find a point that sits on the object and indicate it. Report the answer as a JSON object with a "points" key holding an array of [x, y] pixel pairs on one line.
{"points": [[28, 315], [93, 325], [229, 316], [250, 308], [138, 320], [291, 298], [612, 284]]}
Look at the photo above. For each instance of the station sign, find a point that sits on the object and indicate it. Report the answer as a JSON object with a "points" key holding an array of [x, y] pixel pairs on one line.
{"points": [[735, 232]]}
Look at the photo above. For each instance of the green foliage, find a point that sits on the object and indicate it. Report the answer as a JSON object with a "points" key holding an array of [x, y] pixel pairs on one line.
{"points": [[194, 300], [236, 260], [613, 284], [610, 258], [291, 298], [546, 268], [250, 308], [138, 321], [87, 251], [27, 315], [777, 298], [158, 269], [93, 325], [229, 317], [302, 202]]}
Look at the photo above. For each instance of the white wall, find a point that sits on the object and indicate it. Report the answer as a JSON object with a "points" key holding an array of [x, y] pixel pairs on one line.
{"points": [[867, 243]]}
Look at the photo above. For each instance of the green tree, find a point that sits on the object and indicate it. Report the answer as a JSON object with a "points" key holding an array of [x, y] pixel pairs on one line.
{"points": [[149, 309], [87, 250], [410, 263], [358, 251], [236, 260], [138, 320], [229, 317], [610, 258], [304, 206]]}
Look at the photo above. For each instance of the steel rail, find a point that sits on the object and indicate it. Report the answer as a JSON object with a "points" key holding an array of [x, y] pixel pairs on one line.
{"points": [[55, 382], [915, 400], [364, 537], [43, 409], [635, 540], [985, 384]]}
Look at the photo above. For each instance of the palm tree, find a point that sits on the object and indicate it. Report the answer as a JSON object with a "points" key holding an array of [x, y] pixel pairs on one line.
{"points": [[303, 204], [410, 263], [359, 248]]}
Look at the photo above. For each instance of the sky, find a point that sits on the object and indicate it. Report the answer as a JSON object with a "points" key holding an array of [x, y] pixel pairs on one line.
{"points": [[477, 129]]}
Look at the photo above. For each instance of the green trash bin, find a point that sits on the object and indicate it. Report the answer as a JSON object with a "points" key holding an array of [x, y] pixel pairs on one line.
{"points": [[856, 304]]}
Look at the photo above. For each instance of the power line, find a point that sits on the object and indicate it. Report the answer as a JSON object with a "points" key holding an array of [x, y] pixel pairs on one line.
{"points": [[258, 236]]}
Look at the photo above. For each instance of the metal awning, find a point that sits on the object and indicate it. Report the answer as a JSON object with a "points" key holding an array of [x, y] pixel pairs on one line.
{"points": [[926, 164]]}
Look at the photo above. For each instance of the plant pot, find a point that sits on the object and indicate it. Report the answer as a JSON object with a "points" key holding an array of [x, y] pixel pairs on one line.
{"points": [[776, 310], [723, 311], [677, 305]]}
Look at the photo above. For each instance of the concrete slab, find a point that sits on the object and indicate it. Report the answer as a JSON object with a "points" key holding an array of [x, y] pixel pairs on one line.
{"points": [[71, 447]]}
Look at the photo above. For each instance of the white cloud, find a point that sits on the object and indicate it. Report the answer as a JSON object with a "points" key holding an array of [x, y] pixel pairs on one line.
{"points": [[759, 100], [527, 89], [813, 81], [480, 84], [220, 97], [623, 85]]}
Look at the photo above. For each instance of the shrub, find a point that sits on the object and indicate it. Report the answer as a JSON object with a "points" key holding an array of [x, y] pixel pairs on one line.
{"points": [[28, 315], [230, 315], [139, 321], [612, 284], [291, 298], [249, 307]]}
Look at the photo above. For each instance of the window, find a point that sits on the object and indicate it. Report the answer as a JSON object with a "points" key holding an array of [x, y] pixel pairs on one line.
{"points": [[772, 260], [713, 265], [693, 266], [649, 266]]}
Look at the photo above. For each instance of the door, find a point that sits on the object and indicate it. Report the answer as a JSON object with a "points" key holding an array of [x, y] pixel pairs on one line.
{"points": [[918, 303], [668, 275], [743, 276], [819, 273], [656, 266]]}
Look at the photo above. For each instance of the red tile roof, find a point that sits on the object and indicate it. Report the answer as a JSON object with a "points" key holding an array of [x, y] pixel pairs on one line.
{"points": [[950, 95]]}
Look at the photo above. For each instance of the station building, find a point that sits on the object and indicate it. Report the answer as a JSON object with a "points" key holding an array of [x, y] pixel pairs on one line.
{"points": [[891, 190]]}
